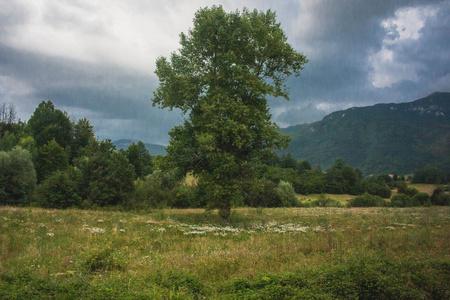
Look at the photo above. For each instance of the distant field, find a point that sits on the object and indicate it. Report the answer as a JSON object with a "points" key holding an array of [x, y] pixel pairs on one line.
{"points": [[289, 253], [424, 188], [343, 198]]}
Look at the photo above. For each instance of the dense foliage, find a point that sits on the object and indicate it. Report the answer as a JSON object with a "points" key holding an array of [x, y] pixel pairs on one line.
{"points": [[17, 176], [88, 173], [71, 167], [432, 175]]}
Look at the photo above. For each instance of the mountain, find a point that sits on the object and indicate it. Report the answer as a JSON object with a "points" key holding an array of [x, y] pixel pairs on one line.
{"points": [[153, 149], [384, 138]]}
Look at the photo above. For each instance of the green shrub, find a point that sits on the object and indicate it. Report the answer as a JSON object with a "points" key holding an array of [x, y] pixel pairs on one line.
{"points": [[421, 199], [378, 189], [440, 198], [107, 176], [367, 200], [402, 186], [183, 197], [326, 202], [411, 192], [262, 193], [51, 158], [149, 193], [401, 200], [105, 259], [287, 194], [60, 190], [17, 177]]}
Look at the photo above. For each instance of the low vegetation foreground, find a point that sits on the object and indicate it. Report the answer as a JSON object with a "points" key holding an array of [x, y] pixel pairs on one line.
{"points": [[322, 253]]}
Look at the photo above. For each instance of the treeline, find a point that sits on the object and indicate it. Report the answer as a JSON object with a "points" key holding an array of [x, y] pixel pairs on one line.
{"points": [[52, 161]]}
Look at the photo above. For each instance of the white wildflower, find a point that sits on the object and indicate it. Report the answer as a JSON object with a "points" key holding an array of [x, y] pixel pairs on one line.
{"points": [[96, 230]]}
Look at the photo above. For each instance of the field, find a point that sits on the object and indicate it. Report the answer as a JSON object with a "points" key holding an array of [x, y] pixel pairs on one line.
{"points": [[324, 253], [308, 199]]}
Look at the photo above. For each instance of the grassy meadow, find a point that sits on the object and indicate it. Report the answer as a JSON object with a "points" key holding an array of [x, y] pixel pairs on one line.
{"points": [[323, 253]]}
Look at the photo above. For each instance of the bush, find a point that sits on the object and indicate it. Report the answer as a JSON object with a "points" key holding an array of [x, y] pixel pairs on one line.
{"points": [[183, 197], [326, 202], [262, 193], [287, 194], [149, 193], [101, 260], [401, 200], [367, 200], [421, 199], [107, 176], [60, 190], [17, 177], [402, 186], [411, 192], [440, 198], [378, 189], [52, 157]]}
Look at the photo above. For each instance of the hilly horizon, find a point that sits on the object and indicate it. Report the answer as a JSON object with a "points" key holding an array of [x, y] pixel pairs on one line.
{"points": [[153, 149], [383, 138]]}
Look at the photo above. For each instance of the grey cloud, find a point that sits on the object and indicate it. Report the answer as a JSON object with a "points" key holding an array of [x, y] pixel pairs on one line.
{"points": [[117, 102], [339, 40], [11, 14], [306, 114], [337, 36]]}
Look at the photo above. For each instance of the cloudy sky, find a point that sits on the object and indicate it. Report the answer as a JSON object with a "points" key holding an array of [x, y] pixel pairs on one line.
{"points": [[96, 59]]}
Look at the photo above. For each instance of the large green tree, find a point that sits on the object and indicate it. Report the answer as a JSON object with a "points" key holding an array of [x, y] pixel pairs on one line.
{"points": [[106, 175], [82, 135], [48, 123], [227, 66], [51, 157], [139, 157]]}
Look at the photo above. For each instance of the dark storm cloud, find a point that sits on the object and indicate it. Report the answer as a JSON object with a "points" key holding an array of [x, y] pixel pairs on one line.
{"points": [[116, 101], [97, 61], [340, 37]]}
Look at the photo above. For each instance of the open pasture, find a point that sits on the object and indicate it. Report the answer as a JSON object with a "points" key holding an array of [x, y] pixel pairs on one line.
{"points": [[260, 253]]}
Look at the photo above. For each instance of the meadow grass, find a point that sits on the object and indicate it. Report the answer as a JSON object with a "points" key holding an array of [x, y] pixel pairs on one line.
{"points": [[260, 253]]}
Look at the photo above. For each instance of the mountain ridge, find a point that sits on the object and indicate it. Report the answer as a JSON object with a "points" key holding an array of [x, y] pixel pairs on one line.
{"points": [[382, 138], [153, 149]]}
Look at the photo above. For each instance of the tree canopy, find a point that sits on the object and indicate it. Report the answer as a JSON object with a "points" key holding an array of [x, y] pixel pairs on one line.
{"points": [[48, 123], [227, 66]]}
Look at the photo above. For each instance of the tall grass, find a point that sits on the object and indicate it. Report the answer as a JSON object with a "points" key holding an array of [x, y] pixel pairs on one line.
{"points": [[260, 253]]}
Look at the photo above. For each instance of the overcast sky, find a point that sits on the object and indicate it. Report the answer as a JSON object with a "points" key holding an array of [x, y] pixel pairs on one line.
{"points": [[96, 59]]}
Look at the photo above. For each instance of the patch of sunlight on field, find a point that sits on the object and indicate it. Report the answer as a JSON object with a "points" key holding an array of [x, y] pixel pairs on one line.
{"points": [[305, 199], [424, 188]]}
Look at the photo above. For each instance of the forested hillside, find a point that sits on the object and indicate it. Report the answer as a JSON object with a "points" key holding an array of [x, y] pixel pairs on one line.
{"points": [[384, 138]]}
